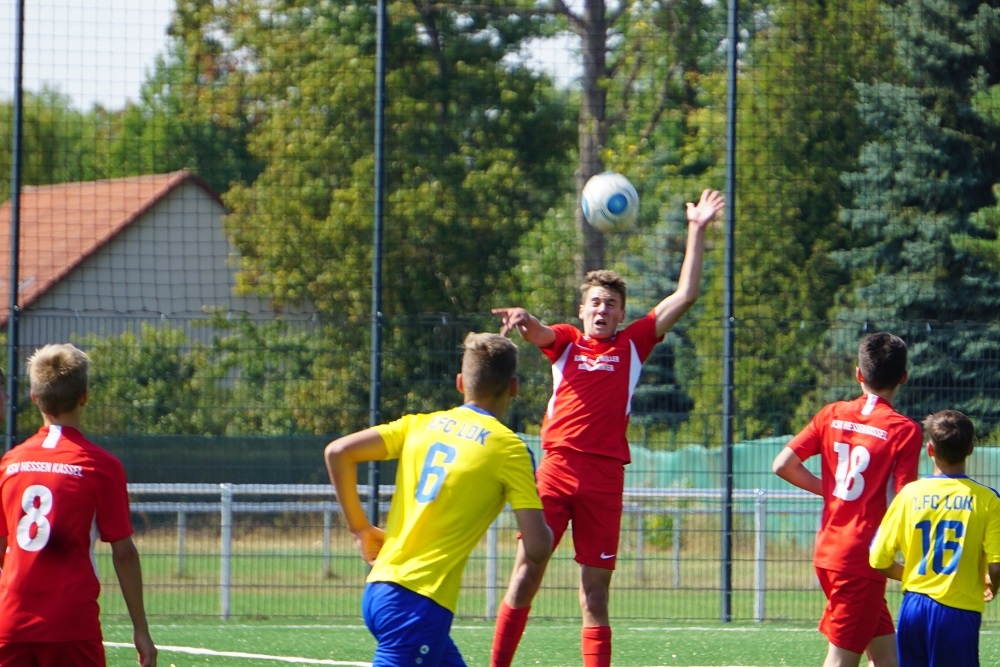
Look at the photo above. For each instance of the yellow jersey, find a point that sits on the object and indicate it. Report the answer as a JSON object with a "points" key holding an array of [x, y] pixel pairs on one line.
{"points": [[457, 469], [948, 529]]}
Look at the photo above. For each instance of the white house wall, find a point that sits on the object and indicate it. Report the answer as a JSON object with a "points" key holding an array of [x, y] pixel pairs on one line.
{"points": [[170, 266]]}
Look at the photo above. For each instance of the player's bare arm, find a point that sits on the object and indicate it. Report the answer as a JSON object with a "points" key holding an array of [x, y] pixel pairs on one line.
{"points": [[128, 569], [536, 537], [894, 571], [342, 458], [992, 581], [788, 466], [699, 216], [526, 324]]}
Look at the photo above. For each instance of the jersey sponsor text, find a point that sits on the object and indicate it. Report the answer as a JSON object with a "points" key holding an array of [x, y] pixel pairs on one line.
{"points": [[45, 466], [879, 433]]}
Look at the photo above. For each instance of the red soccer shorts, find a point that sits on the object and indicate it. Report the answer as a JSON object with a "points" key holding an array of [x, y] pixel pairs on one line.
{"points": [[52, 654], [856, 611], [587, 491]]}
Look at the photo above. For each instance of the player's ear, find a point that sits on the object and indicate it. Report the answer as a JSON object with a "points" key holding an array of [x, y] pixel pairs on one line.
{"points": [[930, 449], [83, 399], [459, 384], [858, 375], [515, 386], [906, 376]]}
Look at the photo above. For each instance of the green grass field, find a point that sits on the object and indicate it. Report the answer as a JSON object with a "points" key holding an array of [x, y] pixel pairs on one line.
{"points": [[209, 643], [287, 608]]}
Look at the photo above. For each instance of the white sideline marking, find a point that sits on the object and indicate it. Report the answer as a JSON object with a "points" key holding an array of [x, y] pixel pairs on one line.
{"points": [[240, 654]]}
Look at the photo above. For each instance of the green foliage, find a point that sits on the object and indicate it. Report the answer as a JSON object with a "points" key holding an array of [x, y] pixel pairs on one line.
{"points": [[54, 143], [659, 530], [151, 382], [799, 132], [474, 146], [919, 265]]}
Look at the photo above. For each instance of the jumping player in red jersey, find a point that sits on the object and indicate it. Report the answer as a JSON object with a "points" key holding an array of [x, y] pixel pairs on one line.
{"points": [[59, 494], [582, 474], [863, 444]]}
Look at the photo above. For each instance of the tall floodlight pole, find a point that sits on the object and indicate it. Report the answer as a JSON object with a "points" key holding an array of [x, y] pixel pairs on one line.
{"points": [[375, 382], [729, 320], [15, 226]]}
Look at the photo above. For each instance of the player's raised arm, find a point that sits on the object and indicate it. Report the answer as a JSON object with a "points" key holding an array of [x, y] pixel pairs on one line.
{"points": [[342, 458], [527, 325], [699, 216]]}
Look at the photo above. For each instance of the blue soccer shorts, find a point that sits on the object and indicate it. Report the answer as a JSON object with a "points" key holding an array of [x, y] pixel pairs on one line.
{"points": [[411, 629], [930, 634]]}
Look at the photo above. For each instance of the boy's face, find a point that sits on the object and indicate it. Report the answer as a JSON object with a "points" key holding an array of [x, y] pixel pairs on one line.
{"points": [[601, 312]]}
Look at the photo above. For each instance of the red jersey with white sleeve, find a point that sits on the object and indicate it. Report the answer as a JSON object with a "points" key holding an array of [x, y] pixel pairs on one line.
{"points": [[593, 381], [59, 493], [863, 445]]}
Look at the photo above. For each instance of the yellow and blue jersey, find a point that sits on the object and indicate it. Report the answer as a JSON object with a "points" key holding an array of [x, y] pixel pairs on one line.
{"points": [[457, 468], [948, 529]]}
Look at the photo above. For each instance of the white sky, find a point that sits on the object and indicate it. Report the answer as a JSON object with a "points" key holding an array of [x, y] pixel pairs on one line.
{"points": [[92, 50], [100, 51]]}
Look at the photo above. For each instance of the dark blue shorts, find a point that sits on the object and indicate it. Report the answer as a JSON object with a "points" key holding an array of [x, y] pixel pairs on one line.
{"points": [[411, 629], [930, 634]]}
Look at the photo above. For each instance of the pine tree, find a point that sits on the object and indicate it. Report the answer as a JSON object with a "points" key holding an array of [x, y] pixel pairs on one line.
{"points": [[915, 198]]}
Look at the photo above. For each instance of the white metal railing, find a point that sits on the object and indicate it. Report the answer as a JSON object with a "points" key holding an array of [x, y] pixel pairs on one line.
{"points": [[637, 503]]}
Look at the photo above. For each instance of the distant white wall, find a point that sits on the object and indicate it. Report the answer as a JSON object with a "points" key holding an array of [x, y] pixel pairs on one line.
{"points": [[169, 266]]}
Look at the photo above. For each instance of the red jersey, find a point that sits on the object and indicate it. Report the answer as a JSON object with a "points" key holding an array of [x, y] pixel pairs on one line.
{"points": [[59, 494], [863, 444], [593, 381]]}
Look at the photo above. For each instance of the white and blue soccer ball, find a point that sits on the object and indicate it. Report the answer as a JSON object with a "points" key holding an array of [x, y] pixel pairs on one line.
{"points": [[609, 202]]}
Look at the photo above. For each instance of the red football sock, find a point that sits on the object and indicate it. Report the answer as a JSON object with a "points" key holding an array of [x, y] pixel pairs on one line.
{"points": [[509, 628], [595, 643]]}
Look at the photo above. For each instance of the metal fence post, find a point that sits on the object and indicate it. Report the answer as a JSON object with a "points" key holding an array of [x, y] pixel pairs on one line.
{"points": [[677, 549], [181, 534], [226, 537], [491, 568], [327, 532], [760, 554], [640, 543]]}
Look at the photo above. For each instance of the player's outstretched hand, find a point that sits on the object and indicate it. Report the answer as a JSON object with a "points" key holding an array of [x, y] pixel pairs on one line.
{"points": [[706, 209], [369, 541], [513, 318]]}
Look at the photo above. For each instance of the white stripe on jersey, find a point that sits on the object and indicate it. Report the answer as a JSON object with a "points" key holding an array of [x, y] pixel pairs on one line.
{"points": [[55, 432]]}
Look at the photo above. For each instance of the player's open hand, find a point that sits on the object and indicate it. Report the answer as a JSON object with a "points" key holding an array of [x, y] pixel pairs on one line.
{"points": [[369, 541], [706, 209]]}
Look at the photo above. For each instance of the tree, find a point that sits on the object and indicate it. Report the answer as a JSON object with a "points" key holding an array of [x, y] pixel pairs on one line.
{"points": [[476, 154], [194, 111], [53, 145], [917, 195], [797, 127]]}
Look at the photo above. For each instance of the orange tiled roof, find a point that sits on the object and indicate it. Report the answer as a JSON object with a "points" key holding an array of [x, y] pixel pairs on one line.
{"points": [[62, 225]]}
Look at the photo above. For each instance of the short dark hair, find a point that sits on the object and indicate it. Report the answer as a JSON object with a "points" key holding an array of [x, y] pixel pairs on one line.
{"points": [[952, 434], [882, 360], [605, 278], [489, 363]]}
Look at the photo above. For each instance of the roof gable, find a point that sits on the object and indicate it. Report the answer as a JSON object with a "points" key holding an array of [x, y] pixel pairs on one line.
{"points": [[62, 225]]}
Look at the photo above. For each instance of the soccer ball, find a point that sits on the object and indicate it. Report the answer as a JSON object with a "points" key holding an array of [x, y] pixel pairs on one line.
{"points": [[609, 202]]}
